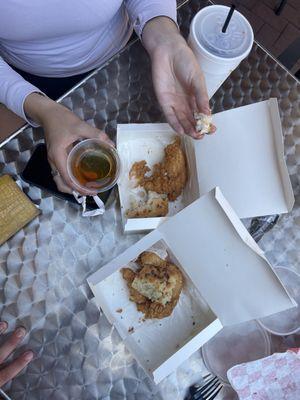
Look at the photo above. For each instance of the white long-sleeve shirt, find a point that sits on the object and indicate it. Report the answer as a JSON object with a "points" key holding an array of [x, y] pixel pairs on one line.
{"points": [[60, 38]]}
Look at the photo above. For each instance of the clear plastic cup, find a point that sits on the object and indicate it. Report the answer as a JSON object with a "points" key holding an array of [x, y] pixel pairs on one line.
{"points": [[286, 322], [234, 345], [219, 53], [93, 165]]}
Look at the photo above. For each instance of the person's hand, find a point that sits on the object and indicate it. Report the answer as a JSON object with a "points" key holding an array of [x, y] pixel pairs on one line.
{"points": [[178, 80], [10, 370], [62, 128]]}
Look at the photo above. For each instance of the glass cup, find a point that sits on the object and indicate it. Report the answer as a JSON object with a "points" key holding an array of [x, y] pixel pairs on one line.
{"points": [[219, 53], [93, 165]]}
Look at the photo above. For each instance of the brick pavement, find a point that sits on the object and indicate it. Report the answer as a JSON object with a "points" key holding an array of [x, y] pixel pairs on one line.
{"points": [[274, 32]]}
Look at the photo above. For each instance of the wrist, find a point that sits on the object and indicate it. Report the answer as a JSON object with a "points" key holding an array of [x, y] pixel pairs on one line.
{"points": [[37, 107], [160, 32]]}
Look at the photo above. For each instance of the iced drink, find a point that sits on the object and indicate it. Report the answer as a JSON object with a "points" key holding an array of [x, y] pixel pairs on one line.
{"points": [[219, 53]]}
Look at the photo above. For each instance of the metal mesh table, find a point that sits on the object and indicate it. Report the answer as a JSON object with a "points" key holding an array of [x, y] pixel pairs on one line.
{"points": [[44, 267]]}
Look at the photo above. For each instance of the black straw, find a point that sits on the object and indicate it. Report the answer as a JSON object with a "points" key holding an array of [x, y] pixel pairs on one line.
{"points": [[225, 26]]}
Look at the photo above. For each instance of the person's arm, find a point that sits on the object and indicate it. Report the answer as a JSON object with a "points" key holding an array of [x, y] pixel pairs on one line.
{"points": [[61, 126], [14, 90], [142, 11], [177, 77]]}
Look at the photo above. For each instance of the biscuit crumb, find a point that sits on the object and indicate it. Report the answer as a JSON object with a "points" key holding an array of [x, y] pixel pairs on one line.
{"points": [[119, 310], [203, 123], [131, 329]]}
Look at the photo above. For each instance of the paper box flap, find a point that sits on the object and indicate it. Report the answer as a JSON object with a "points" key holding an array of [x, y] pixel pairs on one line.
{"points": [[245, 158], [223, 261]]}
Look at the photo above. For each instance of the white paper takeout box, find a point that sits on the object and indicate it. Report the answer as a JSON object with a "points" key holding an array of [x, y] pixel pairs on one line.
{"points": [[228, 281], [245, 158]]}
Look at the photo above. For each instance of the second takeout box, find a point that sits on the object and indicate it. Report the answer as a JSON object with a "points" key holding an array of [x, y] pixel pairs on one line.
{"points": [[228, 280], [245, 158]]}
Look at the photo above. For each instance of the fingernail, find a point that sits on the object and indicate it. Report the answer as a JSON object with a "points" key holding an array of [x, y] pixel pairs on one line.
{"points": [[3, 326], [28, 356], [20, 332]]}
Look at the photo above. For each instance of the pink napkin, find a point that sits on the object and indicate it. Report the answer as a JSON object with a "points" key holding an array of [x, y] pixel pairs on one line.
{"points": [[276, 377]]}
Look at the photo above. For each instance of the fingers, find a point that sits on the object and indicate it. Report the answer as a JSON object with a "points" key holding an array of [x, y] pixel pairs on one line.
{"points": [[11, 343], [9, 372], [63, 181], [200, 93], [92, 133], [213, 129], [173, 120], [103, 136], [3, 326], [187, 121], [61, 185], [201, 104], [181, 121]]}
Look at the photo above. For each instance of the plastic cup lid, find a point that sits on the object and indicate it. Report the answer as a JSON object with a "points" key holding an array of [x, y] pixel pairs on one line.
{"points": [[286, 322], [235, 345], [234, 42]]}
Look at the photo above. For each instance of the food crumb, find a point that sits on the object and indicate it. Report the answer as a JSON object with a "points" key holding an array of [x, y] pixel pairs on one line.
{"points": [[119, 310], [131, 329], [194, 323]]}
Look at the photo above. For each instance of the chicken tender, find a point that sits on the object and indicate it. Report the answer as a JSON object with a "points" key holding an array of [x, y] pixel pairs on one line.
{"points": [[168, 177], [139, 170]]}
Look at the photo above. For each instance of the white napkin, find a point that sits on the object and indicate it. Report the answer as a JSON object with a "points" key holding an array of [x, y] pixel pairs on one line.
{"points": [[92, 213]]}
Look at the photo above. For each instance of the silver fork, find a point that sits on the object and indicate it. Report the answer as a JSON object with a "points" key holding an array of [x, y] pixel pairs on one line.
{"points": [[208, 389]]}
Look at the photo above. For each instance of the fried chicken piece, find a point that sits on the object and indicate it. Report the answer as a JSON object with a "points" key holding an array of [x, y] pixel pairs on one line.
{"points": [[139, 170], [155, 206], [169, 176], [159, 284]]}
